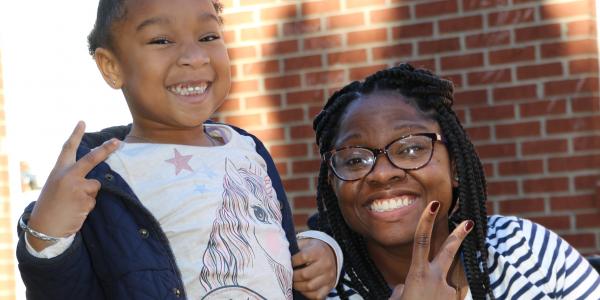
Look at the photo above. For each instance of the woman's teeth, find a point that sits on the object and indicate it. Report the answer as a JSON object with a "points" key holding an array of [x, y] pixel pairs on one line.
{"points": [[186, 90], [384, 205]]}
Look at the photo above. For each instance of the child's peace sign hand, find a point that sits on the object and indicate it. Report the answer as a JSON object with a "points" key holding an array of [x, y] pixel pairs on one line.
{"points": [[68, 197], [427, 279]]}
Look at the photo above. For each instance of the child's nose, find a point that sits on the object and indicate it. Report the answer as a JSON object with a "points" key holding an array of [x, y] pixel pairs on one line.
{"points": [[193, 55], [384, 172]]}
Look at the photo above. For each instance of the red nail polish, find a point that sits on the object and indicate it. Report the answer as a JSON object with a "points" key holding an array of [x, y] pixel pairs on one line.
{"points": [[434, 207], [469, 225]]}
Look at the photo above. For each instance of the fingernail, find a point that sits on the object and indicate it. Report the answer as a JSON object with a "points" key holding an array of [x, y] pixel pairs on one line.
{"points": [[469, 225], [434, 207]]}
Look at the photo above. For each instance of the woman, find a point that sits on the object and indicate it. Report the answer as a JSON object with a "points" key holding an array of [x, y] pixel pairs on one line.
{"points": [[401, 188]]}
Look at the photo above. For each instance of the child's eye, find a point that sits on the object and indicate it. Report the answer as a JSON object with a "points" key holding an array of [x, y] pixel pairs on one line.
{"points": [[210, 38], [160, 41]]}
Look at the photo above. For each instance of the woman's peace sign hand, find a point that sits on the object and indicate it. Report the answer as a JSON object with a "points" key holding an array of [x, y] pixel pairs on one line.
{"points": [[68, 197], [427, 279]]}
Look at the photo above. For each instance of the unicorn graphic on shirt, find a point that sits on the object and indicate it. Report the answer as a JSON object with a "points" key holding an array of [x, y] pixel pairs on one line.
{"points": [[246, 237]]}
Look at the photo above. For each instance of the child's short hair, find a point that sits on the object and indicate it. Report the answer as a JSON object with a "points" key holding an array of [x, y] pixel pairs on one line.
{"points": [[110, 11]]}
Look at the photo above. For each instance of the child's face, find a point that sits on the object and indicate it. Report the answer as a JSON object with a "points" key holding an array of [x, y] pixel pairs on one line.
{"points": [[385, 205], [171, 62]]}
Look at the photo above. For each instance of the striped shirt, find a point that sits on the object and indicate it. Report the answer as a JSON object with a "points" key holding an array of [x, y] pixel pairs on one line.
{"points": [[528, 261]]}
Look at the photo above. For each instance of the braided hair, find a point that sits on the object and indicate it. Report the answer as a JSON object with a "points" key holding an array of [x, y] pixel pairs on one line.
{"points": [[109, 12], [433, 97]]}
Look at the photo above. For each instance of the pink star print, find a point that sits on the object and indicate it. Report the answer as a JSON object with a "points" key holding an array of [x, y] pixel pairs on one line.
{"points": [[180, 162]]}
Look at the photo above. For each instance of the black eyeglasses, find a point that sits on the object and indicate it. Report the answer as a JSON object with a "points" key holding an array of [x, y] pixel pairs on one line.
{"points": [[410, 152]]}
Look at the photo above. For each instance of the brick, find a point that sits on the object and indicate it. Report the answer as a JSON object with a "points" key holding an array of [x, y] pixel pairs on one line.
{"points": [[412, 31], [264, 67], [540, 32], [512, 55], [363, 3], [259, 33], [581, 27], [264, 101], [462, 61], [520, 206], [497, 188], [428, 64], [304, 62], [300, 220], [243, 121], [498, 112], [305, 202], [246, 3], [524, 129], [470, 97], [323, 42], [521, 167], [361, 73], [580, 240], [479, 133], [244, 86], [302, 97], [571, 86], [584, 65], [302, 132], [553, 222], [233, 71], [539, 71], [543, 108], [489, 77], [438, 46], [486, 40], [238, 18], [585, 104], [513, 93], [285, 116], [387, 52], [229, 37], [306, 166], [569, 48], [565, 10], [270, 134], [230, 105], [241, 52], [302, 27], [469, 5], [388, 15], [281, 168], [347, 20], [282, 82], [296, 184], [436, 8], [320, 7], [278, 48], [588, 220], [278, 12], [457, 79], [496, 150], [546, 185], [584, 143], [570, 203], [347, 57], [326, 77], [586, 182], [460, 24], [544, 147], [511, 17], [574, 163], [367, 36]]}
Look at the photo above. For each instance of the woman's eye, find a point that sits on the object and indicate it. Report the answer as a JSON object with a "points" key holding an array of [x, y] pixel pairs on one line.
{"points": [[210, 38]]}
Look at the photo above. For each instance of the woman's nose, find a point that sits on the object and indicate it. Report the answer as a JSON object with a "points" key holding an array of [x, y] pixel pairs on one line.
{"points": [[384, 172], [193, 55]]}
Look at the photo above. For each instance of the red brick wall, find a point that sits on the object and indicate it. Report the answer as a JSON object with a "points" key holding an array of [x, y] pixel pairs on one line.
{"points": [[527, 89]]}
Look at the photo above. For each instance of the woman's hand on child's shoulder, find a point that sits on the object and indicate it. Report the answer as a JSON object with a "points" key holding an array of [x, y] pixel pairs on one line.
{"points": [[315, 269], [68, 197]]}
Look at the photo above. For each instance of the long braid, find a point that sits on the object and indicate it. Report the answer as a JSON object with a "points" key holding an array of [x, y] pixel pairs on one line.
{"points": [[433, 97]]}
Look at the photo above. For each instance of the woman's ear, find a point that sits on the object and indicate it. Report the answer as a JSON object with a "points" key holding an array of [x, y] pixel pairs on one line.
{"points": [[455, 179], [109, 66]]}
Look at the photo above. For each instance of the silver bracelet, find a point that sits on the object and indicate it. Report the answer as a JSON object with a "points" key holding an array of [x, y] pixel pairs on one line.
{"points": [[36, 234]]}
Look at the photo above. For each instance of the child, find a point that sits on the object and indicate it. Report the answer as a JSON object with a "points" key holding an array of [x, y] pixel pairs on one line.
{"points": [[404, 192], [183, 207]]}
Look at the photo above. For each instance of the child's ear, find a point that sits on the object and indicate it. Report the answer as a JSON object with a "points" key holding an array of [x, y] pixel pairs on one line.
{"points": [[109, 67]]}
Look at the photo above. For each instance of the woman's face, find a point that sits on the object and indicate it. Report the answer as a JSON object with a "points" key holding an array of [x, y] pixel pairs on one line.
{"points": [[385, 205]]}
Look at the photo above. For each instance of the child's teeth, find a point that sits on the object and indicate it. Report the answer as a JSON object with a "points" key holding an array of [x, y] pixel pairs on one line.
{"points": [[188, 90]]}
